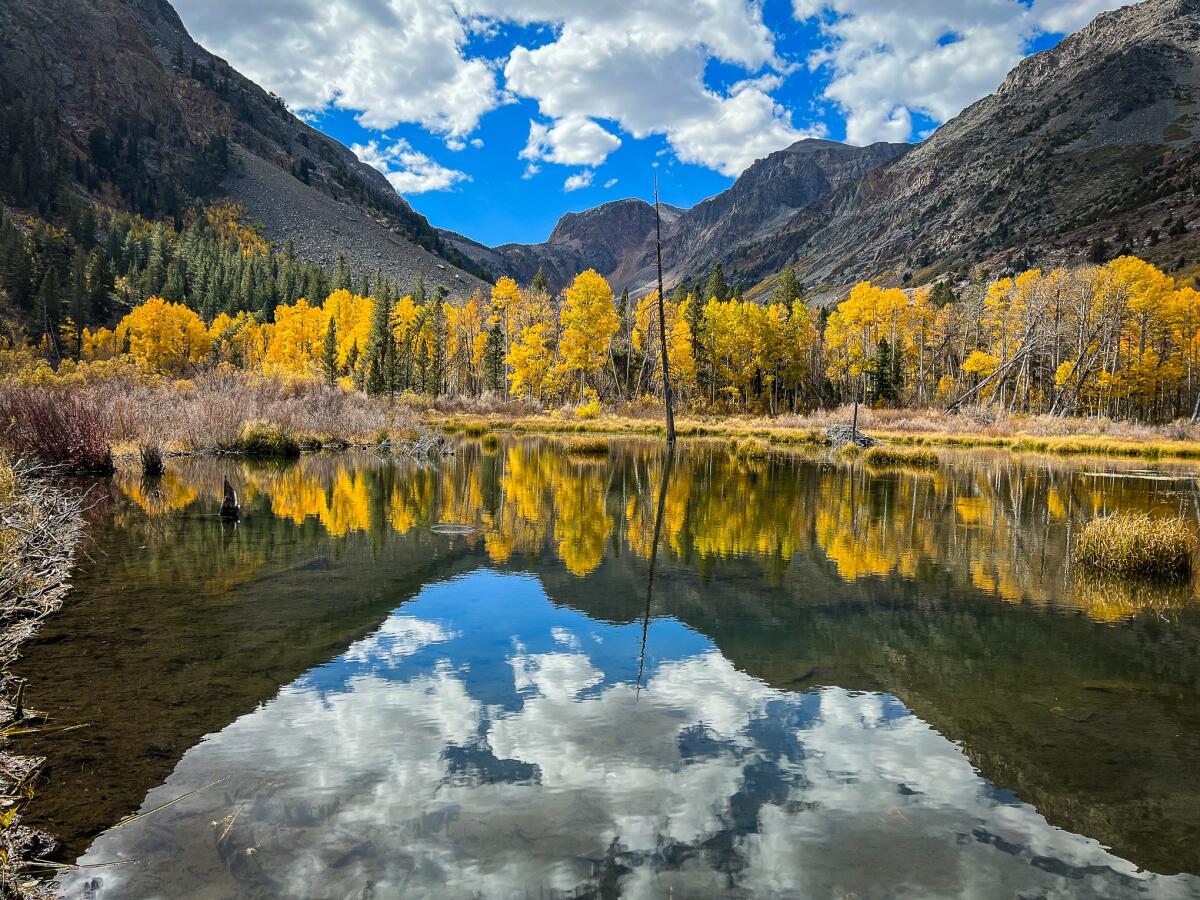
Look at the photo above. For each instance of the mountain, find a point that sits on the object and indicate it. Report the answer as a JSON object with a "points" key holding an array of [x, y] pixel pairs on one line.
{"points": [[1085, 150], [612, 239], [148, 120], [1092, 140], [617, 239]]}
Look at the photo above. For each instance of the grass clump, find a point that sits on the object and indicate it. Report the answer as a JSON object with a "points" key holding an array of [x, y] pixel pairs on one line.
{"points": [[265, 439], [751, 448], [914, 457], [1137, 545], [491, 441], [587, 446], [151, 456], [476, 429]]}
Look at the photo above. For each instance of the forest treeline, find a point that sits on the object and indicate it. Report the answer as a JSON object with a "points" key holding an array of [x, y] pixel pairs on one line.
{"points": [[1120, 339]]}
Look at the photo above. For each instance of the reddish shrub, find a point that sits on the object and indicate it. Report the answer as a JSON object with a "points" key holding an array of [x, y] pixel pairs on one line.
{"points": [[56, 427]]}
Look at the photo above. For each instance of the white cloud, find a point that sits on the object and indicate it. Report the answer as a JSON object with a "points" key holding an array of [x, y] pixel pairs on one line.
{"points": [[571, 141], [644, 70], [391, 61], [531, 169], [610, 184], [579, 180], [934, 57], [409, 170]]}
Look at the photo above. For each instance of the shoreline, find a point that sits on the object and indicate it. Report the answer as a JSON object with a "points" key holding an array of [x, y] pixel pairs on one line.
{"points": [[43, 526], [815, 436]]}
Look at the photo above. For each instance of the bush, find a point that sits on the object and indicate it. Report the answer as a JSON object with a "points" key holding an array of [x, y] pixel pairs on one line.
{"points": [[590, 408], [1137, 545], [914, 457], [267, 440], [56, 427], [587, 446]]}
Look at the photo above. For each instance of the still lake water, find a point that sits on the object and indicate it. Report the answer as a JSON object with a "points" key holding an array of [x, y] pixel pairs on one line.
{"points": [[831, 682]]}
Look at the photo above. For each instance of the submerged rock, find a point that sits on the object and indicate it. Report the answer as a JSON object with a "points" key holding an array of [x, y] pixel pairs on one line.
{"points": [[841, 435]]}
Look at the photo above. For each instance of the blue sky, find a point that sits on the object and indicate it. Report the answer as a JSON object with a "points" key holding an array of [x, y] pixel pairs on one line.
{"points": [[494, 118]]}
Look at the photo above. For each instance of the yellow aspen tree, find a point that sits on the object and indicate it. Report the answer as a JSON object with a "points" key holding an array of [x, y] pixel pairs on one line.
{"points": [[164, 337], [589, 321]]}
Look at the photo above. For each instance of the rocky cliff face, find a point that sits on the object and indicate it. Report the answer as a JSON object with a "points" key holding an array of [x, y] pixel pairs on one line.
{"points": [[119, 71]]}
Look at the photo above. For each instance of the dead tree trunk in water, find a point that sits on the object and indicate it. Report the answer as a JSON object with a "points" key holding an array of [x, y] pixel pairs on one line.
{"points": [[230, 510], [662, 320]]}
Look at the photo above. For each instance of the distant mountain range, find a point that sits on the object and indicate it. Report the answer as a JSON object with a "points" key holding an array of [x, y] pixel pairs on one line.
{"points": [[1086, 150], [1091, 143]]}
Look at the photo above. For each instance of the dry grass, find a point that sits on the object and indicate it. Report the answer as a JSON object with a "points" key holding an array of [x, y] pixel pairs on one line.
{"points": [[587, 446], [1136, 545], [212, 411], [491, 441], [932, 428], [267, 440], [890, 456]]}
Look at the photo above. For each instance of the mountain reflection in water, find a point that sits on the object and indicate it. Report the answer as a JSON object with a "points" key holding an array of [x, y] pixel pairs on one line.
{"points": [[854, 683]]}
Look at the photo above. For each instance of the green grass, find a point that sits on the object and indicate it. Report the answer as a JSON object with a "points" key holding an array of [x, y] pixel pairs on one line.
{"points": [[912, 457], [751, 448], [1137, 545], [265, 439], [491, 441]]}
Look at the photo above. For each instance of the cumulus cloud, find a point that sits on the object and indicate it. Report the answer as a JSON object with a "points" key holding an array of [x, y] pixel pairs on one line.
{"points": [[578, 180], [572, 140], [889, 61], [408, 170], [644, 70], [391, 62], [640, 67]]}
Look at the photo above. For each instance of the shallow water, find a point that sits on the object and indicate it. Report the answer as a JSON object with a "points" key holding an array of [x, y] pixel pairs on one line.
{"points": [[827, 682]]}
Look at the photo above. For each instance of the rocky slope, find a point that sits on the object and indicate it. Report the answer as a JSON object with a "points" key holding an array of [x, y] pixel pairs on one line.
{"points": [[612, 239], [1092, 142], [1094, 138], [151, 118]]}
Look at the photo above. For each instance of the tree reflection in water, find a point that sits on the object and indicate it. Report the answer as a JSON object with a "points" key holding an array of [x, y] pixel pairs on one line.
{"points": [[859, 682]]}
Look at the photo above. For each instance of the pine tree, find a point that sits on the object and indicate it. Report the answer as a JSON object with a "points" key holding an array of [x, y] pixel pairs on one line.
{"points": [[493, 359], [329, 353], [539, 282], [78, 300], [788, 289], [377, 345], [341, 280], [49, 308], [716, 285], [942, 294], [885, 386]]}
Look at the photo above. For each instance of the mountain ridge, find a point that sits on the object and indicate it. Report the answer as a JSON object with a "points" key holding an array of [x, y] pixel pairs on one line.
{"points": [[1091, 142], [130, 89]]}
